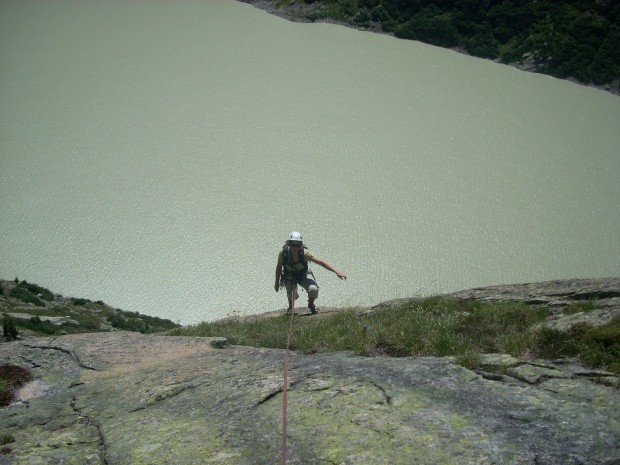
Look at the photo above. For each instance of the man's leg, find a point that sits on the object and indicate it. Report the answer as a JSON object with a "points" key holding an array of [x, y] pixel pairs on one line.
{"points": [[291, 289], [312, 288]]}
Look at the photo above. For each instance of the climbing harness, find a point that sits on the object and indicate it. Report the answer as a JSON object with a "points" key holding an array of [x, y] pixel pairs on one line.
{"points": [[285, 384], [294, 271]]}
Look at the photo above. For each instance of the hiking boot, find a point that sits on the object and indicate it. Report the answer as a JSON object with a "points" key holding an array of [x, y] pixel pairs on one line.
{"points": [[313, 309]]}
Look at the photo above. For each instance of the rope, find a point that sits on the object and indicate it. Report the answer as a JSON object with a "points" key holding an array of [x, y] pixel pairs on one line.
{"points": [[285, 388]]}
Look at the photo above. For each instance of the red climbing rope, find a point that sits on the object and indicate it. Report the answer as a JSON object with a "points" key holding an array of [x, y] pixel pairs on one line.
{"points": [[285, 388]]}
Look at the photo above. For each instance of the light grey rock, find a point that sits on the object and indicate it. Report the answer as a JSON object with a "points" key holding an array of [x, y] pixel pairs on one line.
{"points": [[602, 295], [126, 398]]}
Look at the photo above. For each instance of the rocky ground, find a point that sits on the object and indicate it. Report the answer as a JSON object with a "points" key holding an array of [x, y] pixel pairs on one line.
{"points": [[602, 295], [127, 398]]}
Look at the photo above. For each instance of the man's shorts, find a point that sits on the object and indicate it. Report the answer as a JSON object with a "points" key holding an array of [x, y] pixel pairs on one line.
{"points": [[308, 283]]}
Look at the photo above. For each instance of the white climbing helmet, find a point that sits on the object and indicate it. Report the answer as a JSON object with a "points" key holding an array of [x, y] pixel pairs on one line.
{"points": [[295, 236]]}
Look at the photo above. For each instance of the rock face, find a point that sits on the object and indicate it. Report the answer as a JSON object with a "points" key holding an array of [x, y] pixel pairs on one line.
{"points": [[126, 398], [601, 295]]}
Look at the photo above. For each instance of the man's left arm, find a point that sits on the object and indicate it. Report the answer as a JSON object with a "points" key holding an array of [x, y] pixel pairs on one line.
{"points": [[330, 267]]}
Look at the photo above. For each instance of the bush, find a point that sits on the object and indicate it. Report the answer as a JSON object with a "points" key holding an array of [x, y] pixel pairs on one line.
{"points": [[12, 377], [6, 439], [430, 26], [501, 327], [578, 307], [482, 44], [36, 290], [597, 347], [9, 328], [134, 321], [39, 326], [26, 296]]}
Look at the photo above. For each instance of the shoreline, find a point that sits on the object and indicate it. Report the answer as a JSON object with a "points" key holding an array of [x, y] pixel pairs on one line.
{"points": [[298, 13]]}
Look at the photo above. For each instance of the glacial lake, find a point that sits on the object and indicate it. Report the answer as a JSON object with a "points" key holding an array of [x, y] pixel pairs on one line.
{"points": [[156, 155]]}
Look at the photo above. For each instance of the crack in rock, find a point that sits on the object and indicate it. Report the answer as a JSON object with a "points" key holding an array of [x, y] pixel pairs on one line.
{"points": [[269, 396], [274, 392], [69, 352], [103, 449], [385, 395], [166, 394], [31, 362]]}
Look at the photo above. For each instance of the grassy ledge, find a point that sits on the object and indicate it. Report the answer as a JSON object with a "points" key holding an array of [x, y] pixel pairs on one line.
{"points": [[435, 326]]}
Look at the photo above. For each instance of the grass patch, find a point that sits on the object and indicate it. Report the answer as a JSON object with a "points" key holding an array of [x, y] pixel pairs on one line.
{"points": [[434, 326], [595, 346], [579, 307]]}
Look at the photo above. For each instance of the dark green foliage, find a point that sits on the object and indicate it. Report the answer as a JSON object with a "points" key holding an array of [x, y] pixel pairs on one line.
{"points": [[40, 326], [26, 296], [85, 315], [6, 439], [596, 346], [481, 44], [145, 324], [12, 377], [32, 293], [491, 328], [9, 328], [579, 307], [431, 25]]}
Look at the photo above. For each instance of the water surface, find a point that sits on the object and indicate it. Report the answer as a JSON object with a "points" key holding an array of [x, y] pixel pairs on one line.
{"points": [[155, 155]]}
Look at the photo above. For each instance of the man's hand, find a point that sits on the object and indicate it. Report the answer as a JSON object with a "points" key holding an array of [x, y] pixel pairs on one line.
{"points": [[277, 287]]}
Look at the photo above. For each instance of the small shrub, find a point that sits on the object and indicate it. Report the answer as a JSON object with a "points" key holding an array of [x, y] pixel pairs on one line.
{"points": [[553, 343], [9, 328], [134, 321], [500, 327], [6, 439], [601, 346], [39, 326], [595, 346], [578, 307], [26, 296], [470, 360], [37, 290], [12, 377]]}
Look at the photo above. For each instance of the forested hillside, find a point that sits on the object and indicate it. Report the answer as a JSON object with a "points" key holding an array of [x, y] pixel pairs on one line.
{"points": [[566, 39]]}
